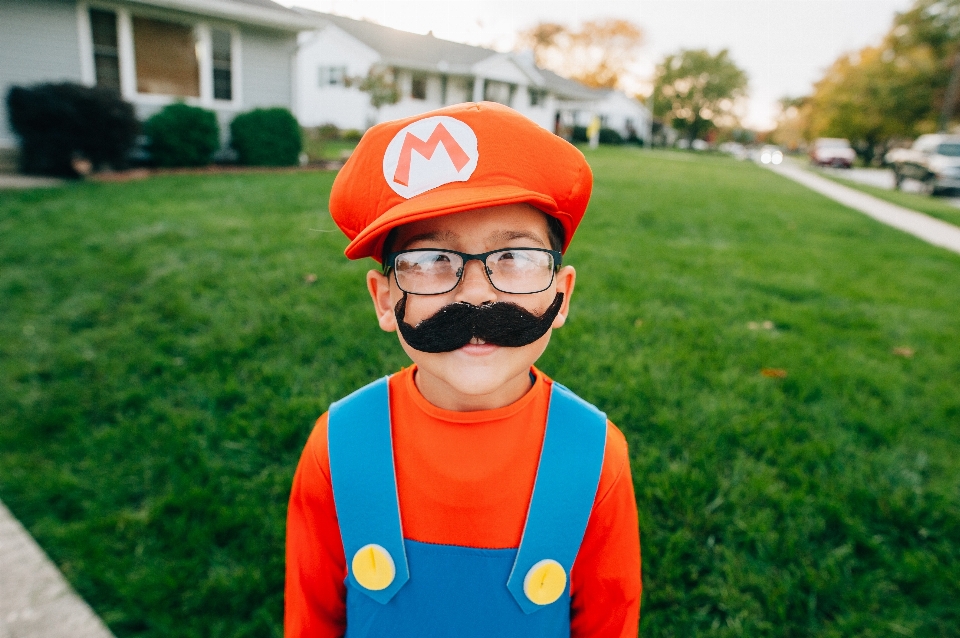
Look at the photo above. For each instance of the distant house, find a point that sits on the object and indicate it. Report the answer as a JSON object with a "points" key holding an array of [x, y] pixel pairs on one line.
{"points": [[225, 55], [431, 73]]}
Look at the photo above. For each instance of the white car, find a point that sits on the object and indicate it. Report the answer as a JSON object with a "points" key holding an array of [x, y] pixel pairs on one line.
{"points": [[933, 160]]}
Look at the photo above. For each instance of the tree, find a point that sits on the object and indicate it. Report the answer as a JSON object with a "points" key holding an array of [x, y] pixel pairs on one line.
{"points": [[380, 85], [792, 122], [696, 91], [895, 90], [872, 97], [599, 54]]}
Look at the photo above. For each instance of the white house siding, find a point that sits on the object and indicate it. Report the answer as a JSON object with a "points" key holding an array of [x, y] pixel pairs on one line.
{"points": [[267, 67], [49, 41], [38, 43], [348, 108]]}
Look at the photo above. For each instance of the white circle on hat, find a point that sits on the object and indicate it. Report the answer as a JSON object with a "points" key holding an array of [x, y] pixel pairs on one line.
{"points": [[429, 153]]}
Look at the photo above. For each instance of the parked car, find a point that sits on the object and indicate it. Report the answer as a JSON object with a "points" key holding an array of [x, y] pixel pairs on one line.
{"points": [[933, 160], [769, 154], [832, 151]]}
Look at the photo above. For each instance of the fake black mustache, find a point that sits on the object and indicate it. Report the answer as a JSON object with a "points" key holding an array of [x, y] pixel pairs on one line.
{"points": [[454, 325]]}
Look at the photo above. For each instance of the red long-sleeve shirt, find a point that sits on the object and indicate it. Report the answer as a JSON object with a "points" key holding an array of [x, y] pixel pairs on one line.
{"points": [[465, 478]]}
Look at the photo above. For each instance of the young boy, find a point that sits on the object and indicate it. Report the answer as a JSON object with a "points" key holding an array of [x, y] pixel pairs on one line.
{"points": [[467, 495]]}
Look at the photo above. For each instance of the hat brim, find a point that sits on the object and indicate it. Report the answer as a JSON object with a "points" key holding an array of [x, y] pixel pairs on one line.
{"points": [[447, 201]]}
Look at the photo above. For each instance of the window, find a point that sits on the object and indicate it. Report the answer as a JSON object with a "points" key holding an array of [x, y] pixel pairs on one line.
{"points": [[106, 55], [498, 92], [333, 76], [538, 97], [418, 87], [222, 69], [165, 58]]}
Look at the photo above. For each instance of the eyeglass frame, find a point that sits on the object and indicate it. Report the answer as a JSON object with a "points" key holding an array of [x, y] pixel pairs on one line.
{"points": [[391, 260]]}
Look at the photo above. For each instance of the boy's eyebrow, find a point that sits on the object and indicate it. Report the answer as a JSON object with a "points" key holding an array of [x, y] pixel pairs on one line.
{"points": [[507, 235], [434, 235]]}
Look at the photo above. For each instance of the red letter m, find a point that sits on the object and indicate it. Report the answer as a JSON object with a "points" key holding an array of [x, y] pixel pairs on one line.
{"points": [[412, 143]]}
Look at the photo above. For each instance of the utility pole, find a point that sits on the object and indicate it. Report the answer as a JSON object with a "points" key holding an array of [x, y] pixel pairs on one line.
{"points": [[950, 99]]}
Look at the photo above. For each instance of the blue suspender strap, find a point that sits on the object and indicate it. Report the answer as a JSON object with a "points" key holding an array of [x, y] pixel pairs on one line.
{"points": [[364, 485], [563, 493]]}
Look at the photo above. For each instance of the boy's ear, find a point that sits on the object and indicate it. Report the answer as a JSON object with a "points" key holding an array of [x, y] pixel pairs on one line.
{"points": [[566, 278], [379, 286]]}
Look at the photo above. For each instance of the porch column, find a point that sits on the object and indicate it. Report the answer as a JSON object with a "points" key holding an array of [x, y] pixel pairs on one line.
{"points": [[478, 89]]}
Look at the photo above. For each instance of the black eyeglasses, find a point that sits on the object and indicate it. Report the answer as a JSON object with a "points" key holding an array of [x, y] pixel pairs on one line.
{"points": [[434, 271]]}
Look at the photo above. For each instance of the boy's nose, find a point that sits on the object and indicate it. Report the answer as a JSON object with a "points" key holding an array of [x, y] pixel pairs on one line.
{"points": [[475, 288]]}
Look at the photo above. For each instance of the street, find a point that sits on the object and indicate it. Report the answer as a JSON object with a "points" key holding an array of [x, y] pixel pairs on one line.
{"points": [[880, 178]]}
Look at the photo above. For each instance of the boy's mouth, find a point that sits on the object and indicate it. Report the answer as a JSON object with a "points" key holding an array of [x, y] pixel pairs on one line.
{"points": [[459, 324]]}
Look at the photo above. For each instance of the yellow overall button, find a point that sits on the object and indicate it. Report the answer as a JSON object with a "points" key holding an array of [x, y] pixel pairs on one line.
{"points": [[373, 567], [545, 582]]}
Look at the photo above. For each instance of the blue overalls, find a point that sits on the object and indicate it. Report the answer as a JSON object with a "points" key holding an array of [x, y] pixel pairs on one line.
{"points": [[403, 588]]}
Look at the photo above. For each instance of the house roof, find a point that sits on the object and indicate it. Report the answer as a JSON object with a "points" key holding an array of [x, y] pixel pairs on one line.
{"points": [[567, 88], [260, 12], [409, 50]]}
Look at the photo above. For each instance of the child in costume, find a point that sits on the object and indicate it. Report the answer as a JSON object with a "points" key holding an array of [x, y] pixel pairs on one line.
{"points": [[467, 495]]}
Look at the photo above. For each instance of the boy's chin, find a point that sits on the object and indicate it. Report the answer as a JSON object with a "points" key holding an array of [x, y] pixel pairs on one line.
{"points": [[478, 369]]}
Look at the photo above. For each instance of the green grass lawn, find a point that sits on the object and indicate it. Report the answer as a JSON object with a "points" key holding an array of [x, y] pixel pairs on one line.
{"points": [[933, 206], [162, 360]]}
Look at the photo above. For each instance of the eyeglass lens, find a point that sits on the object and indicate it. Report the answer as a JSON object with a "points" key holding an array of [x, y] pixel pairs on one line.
{"points": [[433, 272]]}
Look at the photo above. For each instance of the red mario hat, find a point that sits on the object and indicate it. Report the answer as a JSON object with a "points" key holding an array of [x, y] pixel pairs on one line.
{"points": [[451, 160]]}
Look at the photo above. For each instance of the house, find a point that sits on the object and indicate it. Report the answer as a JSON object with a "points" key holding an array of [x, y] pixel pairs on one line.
{"points": [[430, 73], [224, 55]]}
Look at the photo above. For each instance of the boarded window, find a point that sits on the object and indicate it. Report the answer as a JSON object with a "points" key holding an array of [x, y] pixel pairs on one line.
{"points": [[106, 55], [222, 70], [166, 58], [418, 87], [498, 92]]}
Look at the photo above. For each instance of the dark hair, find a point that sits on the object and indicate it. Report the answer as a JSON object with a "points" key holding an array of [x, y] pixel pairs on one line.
{"points": [[555, 235]]}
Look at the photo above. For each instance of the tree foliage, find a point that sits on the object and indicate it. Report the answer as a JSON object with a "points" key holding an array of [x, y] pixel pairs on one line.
{"points": [[696, 91], [892, 91], [381, 85], [599, 54]]}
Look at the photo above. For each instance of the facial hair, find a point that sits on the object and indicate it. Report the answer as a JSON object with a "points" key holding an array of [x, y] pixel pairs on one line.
{"points": [[455, 325]]}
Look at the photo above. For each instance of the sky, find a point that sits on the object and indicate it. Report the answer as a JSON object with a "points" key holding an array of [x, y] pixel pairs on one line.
{"points": [[783, 45]]}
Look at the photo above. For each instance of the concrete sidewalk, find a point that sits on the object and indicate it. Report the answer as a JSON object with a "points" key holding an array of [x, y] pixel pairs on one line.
{"points": [[929, 229], [35, 599]]}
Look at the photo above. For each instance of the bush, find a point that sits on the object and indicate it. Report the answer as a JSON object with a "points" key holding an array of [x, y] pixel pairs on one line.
{"points": [[607, 135], [351, 135], [60, 123], [328, 132], [610, 136], [267, 137], [182, 135]]}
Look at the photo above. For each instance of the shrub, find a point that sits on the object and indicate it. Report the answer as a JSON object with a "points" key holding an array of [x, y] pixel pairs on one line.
{"points": [[267, 137], [579, 134], [351, 135], [60, 123], [328, 132], [610, 136], [182, 135]]}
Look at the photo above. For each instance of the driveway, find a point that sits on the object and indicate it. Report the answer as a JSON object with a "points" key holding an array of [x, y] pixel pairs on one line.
{"points": [[880, 178]]}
